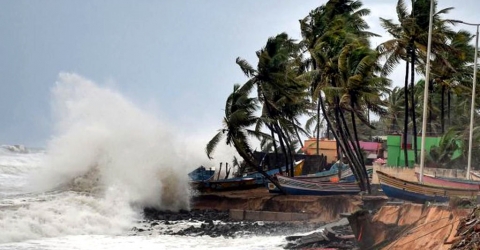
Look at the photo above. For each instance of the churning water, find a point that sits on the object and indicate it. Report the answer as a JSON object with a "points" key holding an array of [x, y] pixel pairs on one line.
{"points": [[106, 160]]}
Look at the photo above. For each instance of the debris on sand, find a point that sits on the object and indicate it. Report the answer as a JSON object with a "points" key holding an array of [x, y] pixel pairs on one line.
{"points": [[468, 232], [336, 235]]}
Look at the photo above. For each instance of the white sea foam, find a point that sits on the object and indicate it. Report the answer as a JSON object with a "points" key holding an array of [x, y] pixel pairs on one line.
{"points": [[106, 160], [103, 140], [67, 213], [158, 242]]}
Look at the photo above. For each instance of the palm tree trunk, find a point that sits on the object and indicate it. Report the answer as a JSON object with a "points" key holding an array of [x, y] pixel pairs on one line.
{"points": [[318, 127], [430, 88], [250, 159], [284, 150], [449, 97], [353, 156], [296, 132], [342, 143], [405, 124], [442, 110], [275, 148], [412, 96], [290, 152], [357, 154], [355, 134]]}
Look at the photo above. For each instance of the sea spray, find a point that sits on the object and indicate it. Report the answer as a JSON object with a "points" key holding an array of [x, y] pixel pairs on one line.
{"points": [[106, 160], [102, 140], [67, 213]]}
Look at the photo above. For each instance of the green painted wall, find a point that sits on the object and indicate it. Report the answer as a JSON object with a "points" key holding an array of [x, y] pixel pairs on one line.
{"points": [[396, 156]]}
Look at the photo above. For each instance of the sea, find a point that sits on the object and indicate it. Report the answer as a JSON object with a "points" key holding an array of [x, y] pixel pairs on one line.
{"points": [[106, 160]]}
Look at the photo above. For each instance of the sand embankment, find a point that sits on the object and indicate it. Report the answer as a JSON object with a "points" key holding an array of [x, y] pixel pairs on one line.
{"points": [[319, 208], [408, 226]]}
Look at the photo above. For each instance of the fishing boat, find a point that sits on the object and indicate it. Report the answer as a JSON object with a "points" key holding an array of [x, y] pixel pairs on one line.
{"points": [[249, 180], [230, 184], [201, 174], [348, 175], [294, 186], [260, 179], [345, 177], [475, 176], [449, 182], [416, 192], [328, 174]]}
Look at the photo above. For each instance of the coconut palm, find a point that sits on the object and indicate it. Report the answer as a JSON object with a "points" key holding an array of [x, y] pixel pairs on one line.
{"points": [[409, 42], [280, 90], [239, 116], [317, 23]]}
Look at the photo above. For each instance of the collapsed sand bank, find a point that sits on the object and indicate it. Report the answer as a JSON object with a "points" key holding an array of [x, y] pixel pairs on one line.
{"points": [[319, 208], [394, 226], [407, 226]]}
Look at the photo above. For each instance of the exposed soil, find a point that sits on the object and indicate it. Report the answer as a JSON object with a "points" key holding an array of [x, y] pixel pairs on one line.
{"points": [[322, 208]]}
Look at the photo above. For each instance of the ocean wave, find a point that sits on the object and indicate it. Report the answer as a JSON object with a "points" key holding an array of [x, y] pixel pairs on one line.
{"points": [[65, 213]]}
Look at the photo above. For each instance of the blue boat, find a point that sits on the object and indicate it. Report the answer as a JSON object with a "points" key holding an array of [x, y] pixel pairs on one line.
{"points": [[201, 174], [295, 186], [348, 176], [260, 179], [416, 192]]}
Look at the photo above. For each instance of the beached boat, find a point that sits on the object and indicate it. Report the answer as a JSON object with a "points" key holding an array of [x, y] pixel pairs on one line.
{"points": [[250, 180], [201, 174], [397, 188], [260, 179], [296, 186], [328, 174], [475, 176], [346, 176], [229, 184], [449, 182]]}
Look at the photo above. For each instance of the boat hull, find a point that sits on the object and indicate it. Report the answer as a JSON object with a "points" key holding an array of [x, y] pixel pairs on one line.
{"points": [[397, 188], [444, 182], [229, 184], [295, 186]]}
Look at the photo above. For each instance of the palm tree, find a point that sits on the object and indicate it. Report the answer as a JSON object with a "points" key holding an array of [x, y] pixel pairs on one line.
{"points": [[409, 44], [345, 67], [280, 90], [395, 106], [316, 24], [452, 69], [239, 116]]}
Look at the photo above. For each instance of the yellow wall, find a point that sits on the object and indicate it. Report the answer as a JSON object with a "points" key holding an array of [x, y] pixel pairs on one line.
{"points": [[327, 148]]}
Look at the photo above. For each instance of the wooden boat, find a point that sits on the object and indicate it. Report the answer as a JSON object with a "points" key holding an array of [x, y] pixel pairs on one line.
{"points": [[296, 186], [328, 174], [251, 180], [449, 182], [346, 176], [397, 188], [229, 184], [201, 174], [260, 179], [475, 176]]}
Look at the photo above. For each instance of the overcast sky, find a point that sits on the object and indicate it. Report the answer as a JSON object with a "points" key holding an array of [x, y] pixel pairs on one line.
{"points": [[173, 58]]}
